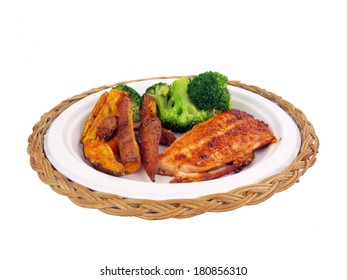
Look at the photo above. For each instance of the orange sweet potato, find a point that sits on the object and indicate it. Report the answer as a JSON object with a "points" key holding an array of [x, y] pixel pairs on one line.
{"points": [[101, 155], [106, 105], [107, 127], [99, 138], [150, 131], [128, 148], [91, 118]]}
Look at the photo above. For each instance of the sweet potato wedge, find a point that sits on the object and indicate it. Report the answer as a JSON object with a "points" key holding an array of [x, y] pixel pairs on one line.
{"points": [[99, 138], [128, 147], [92, 116], [106, 105], [150, 131], [101, 155]]}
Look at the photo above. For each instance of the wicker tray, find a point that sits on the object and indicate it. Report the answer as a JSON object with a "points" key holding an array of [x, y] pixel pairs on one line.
{"points": [[175, 208]]}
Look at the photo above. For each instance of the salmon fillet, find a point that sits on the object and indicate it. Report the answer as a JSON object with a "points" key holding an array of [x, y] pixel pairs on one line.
{"points": [[222, 145]]}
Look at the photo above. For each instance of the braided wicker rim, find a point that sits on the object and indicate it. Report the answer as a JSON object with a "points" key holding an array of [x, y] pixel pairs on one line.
{"points": [[175, 208]]}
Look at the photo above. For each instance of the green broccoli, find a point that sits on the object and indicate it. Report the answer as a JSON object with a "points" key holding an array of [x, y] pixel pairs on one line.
{"points": [[208, 91], [136, 100], [175, 109]]}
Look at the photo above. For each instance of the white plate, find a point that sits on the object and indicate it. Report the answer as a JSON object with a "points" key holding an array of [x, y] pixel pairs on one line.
{"points": [[63, 150]]}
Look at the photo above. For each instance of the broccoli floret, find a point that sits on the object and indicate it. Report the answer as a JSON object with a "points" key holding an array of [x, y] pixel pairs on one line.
{"points": [[136, 100], [208, 91], [175, 109]]}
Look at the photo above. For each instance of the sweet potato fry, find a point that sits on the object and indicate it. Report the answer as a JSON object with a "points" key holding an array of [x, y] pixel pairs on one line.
{"points": [[128, 147], [150, 133]]}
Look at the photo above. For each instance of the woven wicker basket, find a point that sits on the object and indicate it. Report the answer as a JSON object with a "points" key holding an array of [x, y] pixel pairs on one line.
{"points": [[175, 208]]}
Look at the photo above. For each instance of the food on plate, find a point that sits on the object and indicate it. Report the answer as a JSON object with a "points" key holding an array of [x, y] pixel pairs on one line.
{"points": [[222, 145], [107, 127], [209, 91], [107, 105], [150, 131], [100, 137], [125, 130], [128, 147], [167, 137], [136, 100], [104, 156]]}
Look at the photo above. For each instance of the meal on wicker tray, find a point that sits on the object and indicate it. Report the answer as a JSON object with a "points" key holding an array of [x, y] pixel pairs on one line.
{"points": [[125, 130]]}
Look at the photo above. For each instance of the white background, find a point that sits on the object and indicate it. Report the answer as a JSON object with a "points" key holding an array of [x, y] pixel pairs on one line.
{"points": [[51, 51]]}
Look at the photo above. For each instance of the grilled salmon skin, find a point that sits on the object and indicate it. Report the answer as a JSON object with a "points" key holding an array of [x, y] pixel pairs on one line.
{"points": [[223, 144]]}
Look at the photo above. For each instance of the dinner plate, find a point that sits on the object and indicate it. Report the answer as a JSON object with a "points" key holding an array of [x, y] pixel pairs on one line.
{"points": [[64, 151]]}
